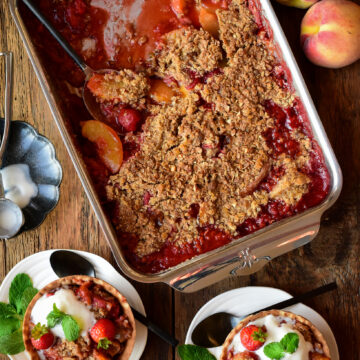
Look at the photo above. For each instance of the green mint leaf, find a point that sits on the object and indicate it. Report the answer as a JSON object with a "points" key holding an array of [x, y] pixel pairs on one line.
{"points": [[7, 326], [193, 352], [70, 327], [104, 343], [54, 317], [17, 288], [26, 298], [6, 311], [274, 350], [290, 342], [12, 344]]}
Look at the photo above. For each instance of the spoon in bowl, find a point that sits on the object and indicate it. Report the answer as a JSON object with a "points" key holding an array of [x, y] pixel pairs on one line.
{"points": [[66, 263], [213, 330], [89, 99], [11, 216]]}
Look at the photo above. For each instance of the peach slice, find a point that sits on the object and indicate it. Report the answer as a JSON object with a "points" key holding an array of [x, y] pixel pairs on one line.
{"points": [[209, 21], [108, 143], [330, 33], [161, 92]]}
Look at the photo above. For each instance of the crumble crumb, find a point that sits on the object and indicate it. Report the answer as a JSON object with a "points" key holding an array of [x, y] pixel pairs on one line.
{"points": [[124, 86], [188, 52]]}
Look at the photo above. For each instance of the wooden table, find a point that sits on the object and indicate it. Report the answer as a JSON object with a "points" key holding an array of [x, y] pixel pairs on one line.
{"points": [[333, 255]]}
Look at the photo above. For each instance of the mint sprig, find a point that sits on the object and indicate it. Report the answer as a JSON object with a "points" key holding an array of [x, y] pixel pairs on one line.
{"points": [[54, 317], [274, 350], [20, 283], [193, 352], [288, 344], [69, 325], [11, 315], [12, 344]]}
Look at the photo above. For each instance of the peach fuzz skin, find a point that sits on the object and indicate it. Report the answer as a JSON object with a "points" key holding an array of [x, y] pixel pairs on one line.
{"points": [[330, 33], [301, 4]]}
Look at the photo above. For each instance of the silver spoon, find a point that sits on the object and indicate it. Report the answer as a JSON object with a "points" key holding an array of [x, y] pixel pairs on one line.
{"points": [[89, 99], [66, 263], [11, 216], [212, 331]]}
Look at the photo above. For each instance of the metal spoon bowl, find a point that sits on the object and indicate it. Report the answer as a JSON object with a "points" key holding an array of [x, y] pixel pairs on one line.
{"points": [[90, 100], [213, 330], [66, 263], [11, 216]]}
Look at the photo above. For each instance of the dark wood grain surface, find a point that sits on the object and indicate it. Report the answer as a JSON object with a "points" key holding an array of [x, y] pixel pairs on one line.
{"points": [[333, 255]]}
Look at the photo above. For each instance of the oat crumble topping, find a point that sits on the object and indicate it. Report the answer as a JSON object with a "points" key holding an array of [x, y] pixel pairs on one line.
{"points": [[211, 160]]}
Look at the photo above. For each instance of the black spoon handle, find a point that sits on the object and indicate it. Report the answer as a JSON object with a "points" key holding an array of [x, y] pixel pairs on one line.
{"points": [[300, 298], [61, 40], [155, 329]]}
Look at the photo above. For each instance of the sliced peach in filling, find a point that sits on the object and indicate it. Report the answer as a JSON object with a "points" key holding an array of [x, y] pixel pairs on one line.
{"points": [[209, 21], [107, 142], [161, 92]]}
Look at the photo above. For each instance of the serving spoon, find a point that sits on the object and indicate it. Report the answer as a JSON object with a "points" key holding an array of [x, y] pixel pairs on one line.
{"points": [[212, 331], [11, 216], [66, 263], [89, 99]]}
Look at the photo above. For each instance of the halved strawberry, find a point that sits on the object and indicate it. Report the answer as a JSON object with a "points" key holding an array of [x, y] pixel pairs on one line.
{"points": [[253, 337], [41, 337], [103, 332]]}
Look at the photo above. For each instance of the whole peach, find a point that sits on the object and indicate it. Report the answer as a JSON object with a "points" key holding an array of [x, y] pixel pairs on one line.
{"points": [[330, 33], [301, 4]]}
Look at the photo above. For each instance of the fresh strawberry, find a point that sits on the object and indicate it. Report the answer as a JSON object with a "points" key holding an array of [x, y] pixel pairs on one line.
{"points": [[252, 337], [41, 337], [129, 118], [103, 332]]}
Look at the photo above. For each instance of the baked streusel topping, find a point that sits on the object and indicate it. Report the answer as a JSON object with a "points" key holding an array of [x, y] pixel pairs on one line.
{"points": [[208, 159]]}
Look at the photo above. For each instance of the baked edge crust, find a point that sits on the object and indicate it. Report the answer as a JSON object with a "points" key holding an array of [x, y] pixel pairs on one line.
{"points": [[78, 280], [317, 334]]}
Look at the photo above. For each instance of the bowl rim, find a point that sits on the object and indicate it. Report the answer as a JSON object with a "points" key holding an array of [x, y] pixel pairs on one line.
{"points": [[318, 336], [78, 280]]}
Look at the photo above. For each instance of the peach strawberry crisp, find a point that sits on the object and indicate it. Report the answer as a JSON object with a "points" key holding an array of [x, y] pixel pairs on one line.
{"points": [[79, 317], [275, 334], [205, 139]]}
